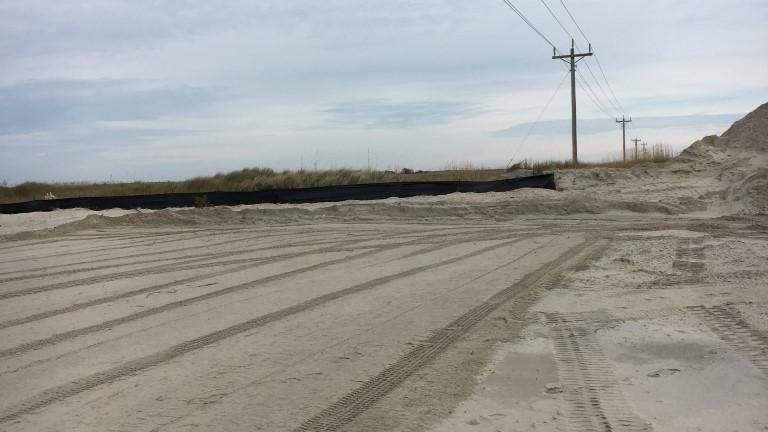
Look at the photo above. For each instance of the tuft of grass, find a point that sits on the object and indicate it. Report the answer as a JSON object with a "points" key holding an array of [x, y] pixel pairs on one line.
{"points": [[657, 153], [456, 170]]}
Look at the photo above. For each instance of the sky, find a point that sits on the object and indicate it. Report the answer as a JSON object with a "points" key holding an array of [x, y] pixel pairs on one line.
{"points": [[105, 90]]}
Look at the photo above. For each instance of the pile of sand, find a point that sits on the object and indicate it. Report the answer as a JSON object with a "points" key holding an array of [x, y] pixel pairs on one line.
{"points": [[738, 158]]}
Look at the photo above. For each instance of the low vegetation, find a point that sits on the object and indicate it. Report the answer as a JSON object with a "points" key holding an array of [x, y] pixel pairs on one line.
{"points": [[252, 179], [248, 179], [657, 153]]}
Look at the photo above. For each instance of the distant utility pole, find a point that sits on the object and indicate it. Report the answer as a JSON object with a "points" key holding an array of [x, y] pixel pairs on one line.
{"points": [[572, 59], [636, 140], [645, 152], [624, 122]]}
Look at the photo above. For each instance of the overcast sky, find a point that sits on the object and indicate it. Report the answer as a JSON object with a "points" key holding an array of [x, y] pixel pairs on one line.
{"points": [[152, 90]]}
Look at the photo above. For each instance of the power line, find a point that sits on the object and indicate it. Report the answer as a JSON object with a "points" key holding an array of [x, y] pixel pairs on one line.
{"points": [[592, 96], [530, 24], [538, 118], [572, 59], [608, 83], [558, 20], [597, 60], [614, 102], [602, 90], [562, 26], [574, 21]]}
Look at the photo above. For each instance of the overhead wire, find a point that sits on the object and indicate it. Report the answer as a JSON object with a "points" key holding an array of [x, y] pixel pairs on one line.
{"points": [[530, 24], [583, 82], [614, 100], [538, 119], [597, 59], [596, 81], [574, 21], [562, 80], [602, 90], [587, 89], [556, 19]]}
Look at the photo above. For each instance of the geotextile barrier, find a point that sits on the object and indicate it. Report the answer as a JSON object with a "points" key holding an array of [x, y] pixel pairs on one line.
{"points": [[371, 191]]}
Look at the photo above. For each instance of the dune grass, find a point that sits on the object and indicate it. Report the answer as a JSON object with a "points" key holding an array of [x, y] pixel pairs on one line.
{"points": [[657, 153], [248, 179]]}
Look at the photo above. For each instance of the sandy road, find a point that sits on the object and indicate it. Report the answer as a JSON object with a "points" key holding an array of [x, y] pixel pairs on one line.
{"points": [[306, 327], [162, 322]]}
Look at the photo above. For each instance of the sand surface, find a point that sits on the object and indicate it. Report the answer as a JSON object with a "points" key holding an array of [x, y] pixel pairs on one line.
{"points": [[628, 300]]}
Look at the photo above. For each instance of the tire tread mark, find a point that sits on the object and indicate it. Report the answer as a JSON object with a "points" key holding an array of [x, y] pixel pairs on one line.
{"points": [[592, 398], [344, 410], [61, 337], [102, 236], [689, 257], [250, 263], [46, 271], [190, 264], [134, 366], [144, 240], [166, 268], [728, 324], [179, 259]]}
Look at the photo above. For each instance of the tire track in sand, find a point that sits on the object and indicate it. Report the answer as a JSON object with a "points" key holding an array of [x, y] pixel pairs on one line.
{"points": [[360, 237], [72, 388], [338, 245], [81, 237], [138, 238], [354, 403], [78, 306], [45, 270], [190, 264], [209, 255], [728, 324], [144, 241], [61, 337], [592, 398]]}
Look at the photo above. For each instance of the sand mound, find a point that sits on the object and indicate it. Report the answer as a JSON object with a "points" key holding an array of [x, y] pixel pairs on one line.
{"points": [[738, 158], [751, 193], [750, 134]]}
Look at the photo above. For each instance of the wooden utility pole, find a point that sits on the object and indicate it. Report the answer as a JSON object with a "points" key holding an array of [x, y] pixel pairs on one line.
{"points": [[572, 59], [636, 140], [645, 152], [624, 122]]}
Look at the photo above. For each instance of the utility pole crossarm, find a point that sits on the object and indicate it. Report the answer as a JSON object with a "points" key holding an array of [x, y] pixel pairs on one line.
{"points": [[568, 56]]}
